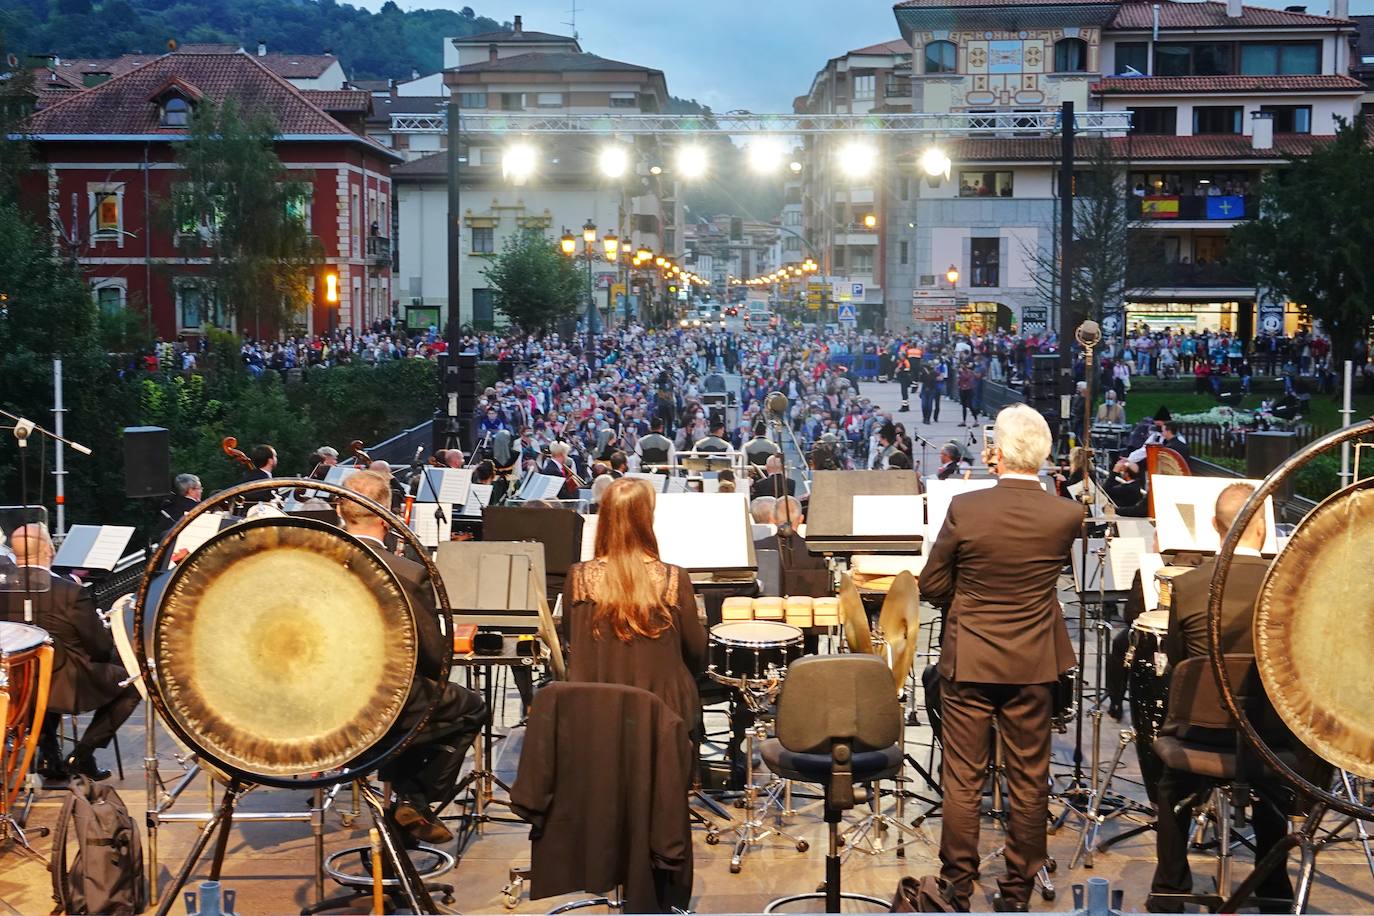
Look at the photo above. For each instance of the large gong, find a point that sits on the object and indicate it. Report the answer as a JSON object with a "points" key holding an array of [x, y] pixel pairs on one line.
{"points": [[282, 648], [1314, 626]]}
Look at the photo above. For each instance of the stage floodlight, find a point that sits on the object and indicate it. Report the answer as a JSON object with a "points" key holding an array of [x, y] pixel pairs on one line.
{"points": [[764, 154], [692, 161], [613, 161], [518, 162], [858, 159]]}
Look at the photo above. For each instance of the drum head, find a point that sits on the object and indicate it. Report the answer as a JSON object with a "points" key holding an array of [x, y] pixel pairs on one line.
{"points": [[283, 648], [16, 638], [1156, 621], [1313, 631], [763, 633]]}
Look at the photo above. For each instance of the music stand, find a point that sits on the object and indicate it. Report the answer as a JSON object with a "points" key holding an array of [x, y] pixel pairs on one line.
{"points": [[705, 532], [493, 583], [865, 511], [558, 531]]}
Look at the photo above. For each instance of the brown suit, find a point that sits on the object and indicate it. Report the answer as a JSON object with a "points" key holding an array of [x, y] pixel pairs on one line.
{"points": [[995, 567]]}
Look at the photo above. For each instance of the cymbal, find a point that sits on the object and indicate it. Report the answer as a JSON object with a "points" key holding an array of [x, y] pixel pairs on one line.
{"points": [[856, 631], [900, 622]]}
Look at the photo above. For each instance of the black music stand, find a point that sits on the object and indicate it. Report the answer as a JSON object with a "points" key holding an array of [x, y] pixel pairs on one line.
{"points": [[830, 523]]}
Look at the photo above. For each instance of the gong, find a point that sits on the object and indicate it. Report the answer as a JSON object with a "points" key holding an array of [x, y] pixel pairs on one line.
{"points": [[1314, 626], [282, 648]]}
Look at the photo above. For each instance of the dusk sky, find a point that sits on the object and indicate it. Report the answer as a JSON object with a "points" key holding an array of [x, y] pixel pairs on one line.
{"points": [[751, 54]]}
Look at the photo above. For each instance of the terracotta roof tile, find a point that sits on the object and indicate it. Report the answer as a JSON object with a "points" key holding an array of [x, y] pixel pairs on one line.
{"points": [[896, 46], [297, 66], [352, 100], [1137, 149], [432, 165], [559, 61], [1139, 14], [941, 4], [1201, 84]]}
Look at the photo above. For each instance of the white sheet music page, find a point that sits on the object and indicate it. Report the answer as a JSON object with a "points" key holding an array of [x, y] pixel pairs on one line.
{"points": [[93, 546], [199, 531], [431, 531], [1124, 555], [446, 485], [479, 497], [889, 515]]}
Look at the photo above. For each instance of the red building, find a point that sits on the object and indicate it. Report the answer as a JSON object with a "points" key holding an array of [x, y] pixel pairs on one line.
{"points": [[105, 163]]}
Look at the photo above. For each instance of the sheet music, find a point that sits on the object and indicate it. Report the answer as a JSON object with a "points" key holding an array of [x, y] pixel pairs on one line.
{"points": [[445, 485], [702, 531], [1124, 555], [588, 537], [430, 530], [675, 485], [199, 531], [1150, 564], [1185, 506], [541, 486], [479, 497], [938, 495], [656, 481], [889, 515], [339, 473], [93, 546]]}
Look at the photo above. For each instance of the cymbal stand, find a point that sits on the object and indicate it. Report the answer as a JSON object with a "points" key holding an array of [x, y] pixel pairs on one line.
{"points": [[1352, 787]]}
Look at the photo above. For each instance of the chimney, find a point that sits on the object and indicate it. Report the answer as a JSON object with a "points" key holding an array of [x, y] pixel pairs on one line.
{"points": [[1262, 130], [1233, 10], [262, 47], [1340, 9], [414, 74], [491, 51], [519, 27]]}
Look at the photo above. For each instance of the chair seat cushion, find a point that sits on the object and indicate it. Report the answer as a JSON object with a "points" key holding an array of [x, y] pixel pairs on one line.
{"points": [[867, 765], [1201, 759]]}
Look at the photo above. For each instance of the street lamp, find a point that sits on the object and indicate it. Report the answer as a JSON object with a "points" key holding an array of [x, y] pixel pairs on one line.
{"points": [[952, 275], [936, 164], [870, 220], [568, 244]]}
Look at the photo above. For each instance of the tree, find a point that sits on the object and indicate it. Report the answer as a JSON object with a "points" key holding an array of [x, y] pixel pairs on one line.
{"points": [[535, 285], [237, 207], [1312, 240]]}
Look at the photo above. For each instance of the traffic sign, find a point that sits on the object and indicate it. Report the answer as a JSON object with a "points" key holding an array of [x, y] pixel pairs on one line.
{"points": [[847, 314], [858, 290]]}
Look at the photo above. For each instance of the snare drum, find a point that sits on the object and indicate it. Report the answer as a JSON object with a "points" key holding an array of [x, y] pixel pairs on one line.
{"points": [[1147, 678], [752, 650]]}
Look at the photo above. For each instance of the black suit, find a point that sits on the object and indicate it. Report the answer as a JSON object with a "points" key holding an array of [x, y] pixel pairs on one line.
{"points": [[995, 566], [773, 485], [1178, 445], [171, 512], [427, 770], [257, 496], [86, 671], [1187, 638]]}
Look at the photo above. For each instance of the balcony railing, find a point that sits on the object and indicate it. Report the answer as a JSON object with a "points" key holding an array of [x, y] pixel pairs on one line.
{"points": [[378, 248], [1167, 207], [1188, 276]]}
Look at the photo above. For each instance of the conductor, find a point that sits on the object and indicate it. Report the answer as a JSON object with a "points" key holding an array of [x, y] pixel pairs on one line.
{"points": [[994, 568]]}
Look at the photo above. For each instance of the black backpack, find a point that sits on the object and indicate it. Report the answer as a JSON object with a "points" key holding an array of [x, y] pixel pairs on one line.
{"points": [[106, 876]]}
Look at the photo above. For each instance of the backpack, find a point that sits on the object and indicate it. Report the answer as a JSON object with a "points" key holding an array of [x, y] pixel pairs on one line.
{"points": [[921, 895], [106, 875]]}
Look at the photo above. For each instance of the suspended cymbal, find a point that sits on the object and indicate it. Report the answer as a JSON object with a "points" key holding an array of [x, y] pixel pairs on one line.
{"points": [[856, 631], [900, 622]]}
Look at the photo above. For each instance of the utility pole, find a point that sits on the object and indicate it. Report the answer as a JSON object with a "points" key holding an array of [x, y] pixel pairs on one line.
{"points": [[1066, 316]]}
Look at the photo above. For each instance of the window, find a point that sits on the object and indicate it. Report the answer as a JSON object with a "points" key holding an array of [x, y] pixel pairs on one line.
{"points": [[904, 188], [549, 100], [109, 299], [1154, 122], [941, 57], [623, 100], [483, 240], [983, 259], [176, 112], [837, 257], [512, 101], [865, 87], [1273, 58], [985, 184], [1132, 57], [646, 224], [1216, 119], [192, 306], [897, 87], [903, 252], [106, 202], [1290, 119], [861, 260], [472, 100], [1070, 55], [297, 208], [483, 309], [106, 212], [1207, 58]]}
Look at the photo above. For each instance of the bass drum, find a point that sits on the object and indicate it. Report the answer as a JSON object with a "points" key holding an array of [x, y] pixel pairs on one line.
{"points": [[282, 651]]}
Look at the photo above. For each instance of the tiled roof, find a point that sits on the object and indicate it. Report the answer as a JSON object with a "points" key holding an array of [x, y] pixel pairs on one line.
{"points": [[896, 46], [1136, 149], [122, 105], [297, 66], [384, 108], [1139, 14], [505, 35], [351, 100], [1200, 84], [434, 165], [940, 4], [557, 62]]}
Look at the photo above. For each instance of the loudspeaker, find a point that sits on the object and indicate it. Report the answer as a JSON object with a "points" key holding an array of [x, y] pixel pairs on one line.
{"points": [[1265, 451], [147, 461]]}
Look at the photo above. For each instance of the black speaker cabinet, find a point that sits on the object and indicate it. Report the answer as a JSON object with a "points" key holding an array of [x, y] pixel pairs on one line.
{"points": [[147, 461]]}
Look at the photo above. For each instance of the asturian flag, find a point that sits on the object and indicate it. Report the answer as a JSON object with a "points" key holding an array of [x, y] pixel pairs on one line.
{"points": [[1226, 208]]}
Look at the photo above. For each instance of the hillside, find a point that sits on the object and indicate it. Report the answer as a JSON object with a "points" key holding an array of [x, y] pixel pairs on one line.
{"points": [[389, 43]]}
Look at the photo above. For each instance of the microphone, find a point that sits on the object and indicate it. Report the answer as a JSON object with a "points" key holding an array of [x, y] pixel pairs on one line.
{"points": [[776, 403], [419, 449], [1088, 334]]}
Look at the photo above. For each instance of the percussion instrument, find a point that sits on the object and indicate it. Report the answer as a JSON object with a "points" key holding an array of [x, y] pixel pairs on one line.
{"points": [[1147, 677], [25, 674], [747, 651], [1064, 700], [1164, 584], [281, 648]]}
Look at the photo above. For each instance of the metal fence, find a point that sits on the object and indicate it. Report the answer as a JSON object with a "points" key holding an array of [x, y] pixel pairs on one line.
{"points": [[1208, 440]]}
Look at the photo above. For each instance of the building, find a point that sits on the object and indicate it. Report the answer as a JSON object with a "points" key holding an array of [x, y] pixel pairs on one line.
{"points": [[847, 221], [1219, 92], [520, 71], [730, 246], [104, 163]]}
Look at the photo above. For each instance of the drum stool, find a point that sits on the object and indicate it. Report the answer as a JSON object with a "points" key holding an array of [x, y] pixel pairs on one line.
{"points": [[62, 738], [360, 883]]}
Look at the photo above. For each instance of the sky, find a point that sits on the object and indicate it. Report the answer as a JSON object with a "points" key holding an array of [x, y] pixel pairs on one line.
{"points": [[756, 55]]}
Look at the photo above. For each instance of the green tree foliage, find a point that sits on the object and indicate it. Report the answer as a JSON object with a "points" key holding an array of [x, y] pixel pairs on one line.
{"points": [[535, 285], [1312, 240], [237, 207], [389, 43]]}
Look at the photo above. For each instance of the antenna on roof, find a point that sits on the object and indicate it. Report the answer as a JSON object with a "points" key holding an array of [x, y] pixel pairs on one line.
{"points": [[572, 19]]}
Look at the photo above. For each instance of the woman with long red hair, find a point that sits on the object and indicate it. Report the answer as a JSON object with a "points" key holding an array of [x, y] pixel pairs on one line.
{"points": [[630, 618]]}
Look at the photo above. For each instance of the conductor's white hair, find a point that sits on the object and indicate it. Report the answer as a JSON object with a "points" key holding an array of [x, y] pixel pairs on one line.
{"points": [[559, 448], [1023, 437]]}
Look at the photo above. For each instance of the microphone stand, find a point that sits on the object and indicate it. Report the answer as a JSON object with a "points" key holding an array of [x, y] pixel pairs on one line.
{"points": [[925, 444]]}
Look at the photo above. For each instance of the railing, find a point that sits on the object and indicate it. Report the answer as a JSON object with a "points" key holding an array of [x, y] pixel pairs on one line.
{"points": [[379, 248], [1207, 440], [1164, 208], [1188, 276]]}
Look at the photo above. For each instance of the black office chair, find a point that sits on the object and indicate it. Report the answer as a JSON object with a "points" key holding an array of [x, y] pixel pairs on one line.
{"points": [[839, 724]]}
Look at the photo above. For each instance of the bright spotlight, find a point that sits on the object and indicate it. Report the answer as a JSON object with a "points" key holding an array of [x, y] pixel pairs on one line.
{"points": [[764, 155], [935, 164], [613, 161], [795, 166], [857, 159], [691, 161], [518, 162]]}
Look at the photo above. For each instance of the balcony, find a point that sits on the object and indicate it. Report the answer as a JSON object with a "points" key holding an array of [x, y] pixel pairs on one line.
{"points": [[1188, 276], [1168, 208], [379, 249]]}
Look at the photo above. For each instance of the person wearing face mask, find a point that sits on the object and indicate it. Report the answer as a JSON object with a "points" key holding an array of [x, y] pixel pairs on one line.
{"points": [[1111, 411]]}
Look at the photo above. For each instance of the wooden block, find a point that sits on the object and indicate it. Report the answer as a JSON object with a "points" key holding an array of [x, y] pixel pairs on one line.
{"points": [[770, 608], [737, 608], [825, 612]]}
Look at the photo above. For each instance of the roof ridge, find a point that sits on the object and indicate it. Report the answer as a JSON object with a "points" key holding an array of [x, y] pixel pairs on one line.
{"points": [[113, 79], [292, 87]]}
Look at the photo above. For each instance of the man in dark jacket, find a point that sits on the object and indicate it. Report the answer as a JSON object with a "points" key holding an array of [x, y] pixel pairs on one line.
{"points": [[86, 673], [188, 496]]}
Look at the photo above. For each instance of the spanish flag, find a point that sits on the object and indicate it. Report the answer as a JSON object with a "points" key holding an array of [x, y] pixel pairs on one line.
{"points": [[1159, 206]]}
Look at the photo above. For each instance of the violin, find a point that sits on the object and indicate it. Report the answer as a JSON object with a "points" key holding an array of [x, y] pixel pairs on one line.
{"points": [[229, 445]]}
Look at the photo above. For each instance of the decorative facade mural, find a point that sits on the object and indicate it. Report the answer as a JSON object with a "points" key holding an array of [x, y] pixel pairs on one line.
{"points": [[1010, 69]]}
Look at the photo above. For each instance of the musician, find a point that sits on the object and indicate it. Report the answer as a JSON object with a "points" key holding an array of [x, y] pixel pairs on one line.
{"points": [[328, 456], [1078, 407], [1148, 433], [656, 448], [189, 494], [428, 769], [714, 442], [620, 464], [774, 484], [757, 449], [950, 456], [86, 671], [264, 458], [599, 487], [1187, 638], [398, 492], [1125, 489], [630, 618], [454, 458], [558, 464], [1111, 411], [1174, 440], [790, 520], [995, 568]]}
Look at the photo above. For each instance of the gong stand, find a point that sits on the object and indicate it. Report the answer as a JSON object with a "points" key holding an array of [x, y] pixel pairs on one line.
{"points": [[1306, 840]]}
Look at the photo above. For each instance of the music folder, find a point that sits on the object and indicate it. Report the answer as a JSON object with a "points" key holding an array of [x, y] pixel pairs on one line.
{"points": [[493, 584]]}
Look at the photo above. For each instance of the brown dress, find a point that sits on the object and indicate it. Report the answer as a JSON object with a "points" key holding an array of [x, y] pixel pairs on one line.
{"points": [[666, 665]]}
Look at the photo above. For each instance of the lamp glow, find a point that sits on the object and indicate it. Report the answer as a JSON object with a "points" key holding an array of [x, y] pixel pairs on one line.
{"points": [[612, 245], [613, 161], [568, 244], [857, 159], [764, 155], [589, 233], [518, 162], [952, 275], [692, 161]]}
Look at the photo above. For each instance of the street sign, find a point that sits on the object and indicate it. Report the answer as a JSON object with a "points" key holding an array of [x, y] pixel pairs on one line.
{"points": [[1034, 318], [847, 313], [933, 305], [858, 290]]}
